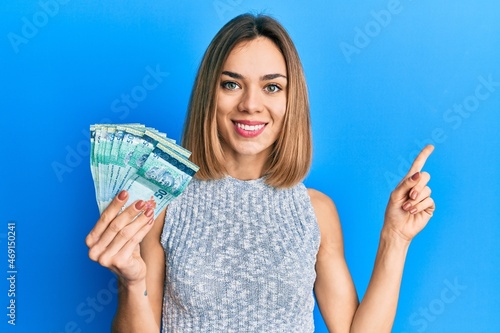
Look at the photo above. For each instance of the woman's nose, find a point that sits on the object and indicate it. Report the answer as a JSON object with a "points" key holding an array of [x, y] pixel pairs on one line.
{"points": [[251, 100]]}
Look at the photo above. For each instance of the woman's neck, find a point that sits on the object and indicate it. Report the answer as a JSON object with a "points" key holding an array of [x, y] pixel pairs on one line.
{"points": [[245, 167]]}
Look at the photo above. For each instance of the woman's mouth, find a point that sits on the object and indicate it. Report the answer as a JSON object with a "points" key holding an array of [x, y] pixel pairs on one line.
{"points": [[249, 129]]}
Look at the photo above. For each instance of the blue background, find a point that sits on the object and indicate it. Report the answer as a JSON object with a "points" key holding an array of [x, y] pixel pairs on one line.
{"points": [[380, 87]]}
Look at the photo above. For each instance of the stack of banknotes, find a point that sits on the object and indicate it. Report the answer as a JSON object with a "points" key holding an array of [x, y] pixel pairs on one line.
{"points": [[139, 159]]}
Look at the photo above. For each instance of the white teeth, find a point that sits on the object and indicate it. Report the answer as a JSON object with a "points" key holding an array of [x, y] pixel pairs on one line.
{"points": [[250, 127]]}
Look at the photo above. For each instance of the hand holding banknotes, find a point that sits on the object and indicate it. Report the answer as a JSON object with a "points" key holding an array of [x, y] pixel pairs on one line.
{"points": [[140, 160], [137, 171], [115, 239]]}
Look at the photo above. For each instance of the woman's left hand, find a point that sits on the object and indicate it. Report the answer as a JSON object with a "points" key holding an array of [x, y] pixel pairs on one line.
{"points": [[410, 205]]}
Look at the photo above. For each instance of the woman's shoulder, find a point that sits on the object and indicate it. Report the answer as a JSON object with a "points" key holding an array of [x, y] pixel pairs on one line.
{"points": [[320, 200], [327, 217]]}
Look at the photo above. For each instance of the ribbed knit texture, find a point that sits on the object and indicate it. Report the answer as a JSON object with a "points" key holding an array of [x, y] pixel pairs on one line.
{"points": [[240, 257]]}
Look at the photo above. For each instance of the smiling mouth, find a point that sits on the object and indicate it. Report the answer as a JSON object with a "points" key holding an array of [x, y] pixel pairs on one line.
{"points": [[249, 130]]}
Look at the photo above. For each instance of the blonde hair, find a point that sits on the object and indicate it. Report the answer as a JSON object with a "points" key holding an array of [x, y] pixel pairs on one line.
{"points": [[291, 157]]}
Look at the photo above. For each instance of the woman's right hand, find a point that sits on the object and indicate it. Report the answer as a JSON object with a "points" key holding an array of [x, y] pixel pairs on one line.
{"points": [[114, 242]]}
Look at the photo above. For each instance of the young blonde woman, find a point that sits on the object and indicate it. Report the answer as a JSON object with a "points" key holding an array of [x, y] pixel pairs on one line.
{"points": [[246, 245]]}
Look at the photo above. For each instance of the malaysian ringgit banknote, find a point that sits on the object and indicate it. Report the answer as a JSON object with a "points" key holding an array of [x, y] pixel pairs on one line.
{"points": [[139, 159]]}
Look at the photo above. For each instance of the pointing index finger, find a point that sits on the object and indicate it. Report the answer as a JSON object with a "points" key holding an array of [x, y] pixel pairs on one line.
{"points": [[420, 160]]}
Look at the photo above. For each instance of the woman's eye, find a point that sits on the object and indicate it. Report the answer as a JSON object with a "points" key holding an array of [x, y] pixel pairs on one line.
{"points": [[272, 88], [229, 85]]}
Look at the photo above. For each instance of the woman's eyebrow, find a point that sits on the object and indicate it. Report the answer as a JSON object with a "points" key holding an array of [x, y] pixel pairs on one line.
{"points": [[233, 75], [266, 77]]}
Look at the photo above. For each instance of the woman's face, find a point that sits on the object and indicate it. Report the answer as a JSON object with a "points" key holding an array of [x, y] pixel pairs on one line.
{"points": [[251, 99]]}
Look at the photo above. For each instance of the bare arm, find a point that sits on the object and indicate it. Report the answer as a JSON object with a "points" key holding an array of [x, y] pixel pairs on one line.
{"points": [[334, 289], [410, 208], [377, 311], [140, 304], [129, 245]]}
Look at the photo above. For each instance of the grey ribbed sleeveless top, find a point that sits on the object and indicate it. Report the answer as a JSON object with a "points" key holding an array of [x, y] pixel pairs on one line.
{"points": [[240, 257]]}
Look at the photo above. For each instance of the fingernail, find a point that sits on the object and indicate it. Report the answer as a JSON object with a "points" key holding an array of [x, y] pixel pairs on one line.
{"points": [[139, 204], [413, 194], [414, 210], [406, 206], [415, 176], [151, 220], [122, 195], [149, 212]]}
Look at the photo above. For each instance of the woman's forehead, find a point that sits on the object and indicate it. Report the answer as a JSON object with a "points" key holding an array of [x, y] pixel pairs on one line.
{"points": [[258, 56]]}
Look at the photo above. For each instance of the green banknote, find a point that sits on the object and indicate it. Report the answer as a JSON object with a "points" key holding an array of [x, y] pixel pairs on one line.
{"points": [[164, 176], [139, 159]]}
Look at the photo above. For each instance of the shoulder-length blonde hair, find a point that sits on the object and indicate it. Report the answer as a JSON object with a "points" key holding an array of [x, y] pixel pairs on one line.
{"points": [[291, 157]]}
